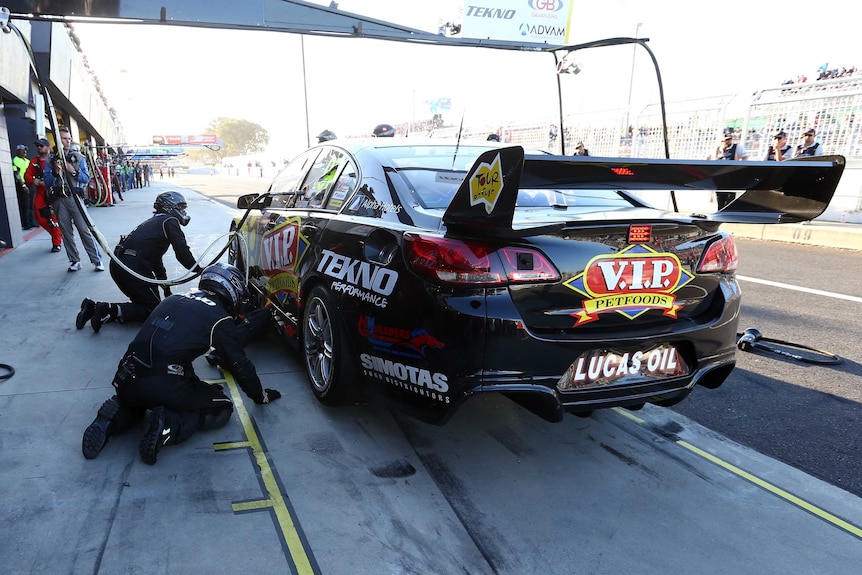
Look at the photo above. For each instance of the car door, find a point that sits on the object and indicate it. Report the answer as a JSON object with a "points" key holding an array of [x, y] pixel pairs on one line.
{"points": [[310, 196]]}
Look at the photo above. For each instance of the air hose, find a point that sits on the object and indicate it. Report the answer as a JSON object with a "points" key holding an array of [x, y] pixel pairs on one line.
{"points": [[751, 340], [10, 371]]}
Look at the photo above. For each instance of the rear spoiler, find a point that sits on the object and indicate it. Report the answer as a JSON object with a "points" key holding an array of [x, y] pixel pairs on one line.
{"points": [[773, 192]]}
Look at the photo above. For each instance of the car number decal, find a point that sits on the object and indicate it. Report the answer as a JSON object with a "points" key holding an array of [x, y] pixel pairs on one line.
{"points": [[631, 282]]}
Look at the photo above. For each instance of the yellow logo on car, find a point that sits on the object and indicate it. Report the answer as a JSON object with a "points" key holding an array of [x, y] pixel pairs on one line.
{"points": [[485, 185]]}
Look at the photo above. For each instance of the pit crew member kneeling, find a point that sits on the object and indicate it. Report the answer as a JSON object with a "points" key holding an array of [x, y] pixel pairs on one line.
{"points": [[156, 379]]}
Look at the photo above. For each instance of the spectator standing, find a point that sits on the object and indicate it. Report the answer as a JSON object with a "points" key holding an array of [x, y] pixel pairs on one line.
{"points": [[42, 210], [156, 372], [66, 179], [580, 150], [779, 150], [142, 251], [20, 163], [809, 147], [727, 150]]}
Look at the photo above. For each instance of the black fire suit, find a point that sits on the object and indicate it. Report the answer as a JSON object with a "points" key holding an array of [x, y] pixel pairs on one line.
{"points": [[142, 251], [157, 367]]}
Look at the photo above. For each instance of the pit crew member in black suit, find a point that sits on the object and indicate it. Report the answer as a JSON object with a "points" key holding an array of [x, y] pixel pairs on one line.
{"points": [[155, 377]]}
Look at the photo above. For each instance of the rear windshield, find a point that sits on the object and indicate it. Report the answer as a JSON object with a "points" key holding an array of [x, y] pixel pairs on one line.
{"points": [[432, 174]]}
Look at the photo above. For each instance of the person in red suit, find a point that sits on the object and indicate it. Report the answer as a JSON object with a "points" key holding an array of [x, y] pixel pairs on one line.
{"points": [[34, 176]]}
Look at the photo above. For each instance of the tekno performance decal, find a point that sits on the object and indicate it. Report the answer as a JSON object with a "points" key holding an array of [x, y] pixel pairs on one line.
{"points": [[630, 282]]}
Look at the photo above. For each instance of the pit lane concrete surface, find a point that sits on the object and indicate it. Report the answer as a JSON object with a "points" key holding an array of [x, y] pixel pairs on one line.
{"points": [[295, 487]]}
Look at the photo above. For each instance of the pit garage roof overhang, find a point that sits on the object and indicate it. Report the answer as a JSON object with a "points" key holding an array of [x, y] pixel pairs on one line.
{"points": [[293, 16]]}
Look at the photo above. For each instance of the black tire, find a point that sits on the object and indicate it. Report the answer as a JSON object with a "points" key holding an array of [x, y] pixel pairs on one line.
{"points": [[328, 363]]}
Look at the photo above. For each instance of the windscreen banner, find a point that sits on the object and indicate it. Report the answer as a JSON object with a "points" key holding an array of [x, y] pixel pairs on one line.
{"points": [[518, 20]]}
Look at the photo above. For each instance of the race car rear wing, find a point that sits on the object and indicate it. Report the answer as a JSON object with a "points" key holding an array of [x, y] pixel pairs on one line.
{"points": [[773, 192]]}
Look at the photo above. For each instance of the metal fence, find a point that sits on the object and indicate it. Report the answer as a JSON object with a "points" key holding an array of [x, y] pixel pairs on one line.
{"points": [[695, 126], [695, 129]]}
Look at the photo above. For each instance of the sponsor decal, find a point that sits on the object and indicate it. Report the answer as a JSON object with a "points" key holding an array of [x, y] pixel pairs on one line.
{"points": [[484, 12], [630, 282], [605, 367], [541, 30], [363, 280], [545, 5], [397, 340], [370, 204], [485, 184], [448, 178], [281, 250], [283, 247], [433, 385]]}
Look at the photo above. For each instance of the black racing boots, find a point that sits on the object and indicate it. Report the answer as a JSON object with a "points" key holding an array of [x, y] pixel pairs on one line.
{"points": [[102, 314], [97, 434], [158, 435], [88, 308]]}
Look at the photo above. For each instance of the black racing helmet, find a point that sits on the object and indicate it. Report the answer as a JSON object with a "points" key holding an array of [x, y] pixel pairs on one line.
{"points": [[384, 131], [226, 282], [173, 204], [325, 136]]}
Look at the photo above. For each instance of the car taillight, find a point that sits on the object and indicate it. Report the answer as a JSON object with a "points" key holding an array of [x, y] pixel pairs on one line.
{"points": [[448, 261], [720, 256]]}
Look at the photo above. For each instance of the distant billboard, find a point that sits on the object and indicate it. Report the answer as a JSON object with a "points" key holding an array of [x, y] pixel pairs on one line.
{"points": [[545, 21], [199, 140]]}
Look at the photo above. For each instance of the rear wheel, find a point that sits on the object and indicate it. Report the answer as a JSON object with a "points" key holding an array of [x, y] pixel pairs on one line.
{"points": [[331, 371]]}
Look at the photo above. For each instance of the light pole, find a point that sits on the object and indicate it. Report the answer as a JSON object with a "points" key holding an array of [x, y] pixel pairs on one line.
{"points": [[632, 79]]}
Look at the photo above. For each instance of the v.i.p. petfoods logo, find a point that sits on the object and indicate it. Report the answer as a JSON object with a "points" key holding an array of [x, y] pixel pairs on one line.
{"points": [[630, 282]]}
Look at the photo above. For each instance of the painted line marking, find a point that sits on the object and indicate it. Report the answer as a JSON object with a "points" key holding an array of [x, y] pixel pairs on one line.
{"points": [[275, 501], [807, 506], [852, 298]]}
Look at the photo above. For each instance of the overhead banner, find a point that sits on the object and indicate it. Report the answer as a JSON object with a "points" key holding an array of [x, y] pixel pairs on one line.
{"points": [[545, 21]]}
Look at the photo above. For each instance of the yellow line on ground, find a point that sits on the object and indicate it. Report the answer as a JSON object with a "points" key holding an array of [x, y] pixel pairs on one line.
{"points": [[276, 501], [231, 445], [836, 521]]}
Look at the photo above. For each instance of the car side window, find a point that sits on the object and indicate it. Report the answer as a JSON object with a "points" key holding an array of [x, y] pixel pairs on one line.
{"points": [[321, 178], [343, 187], [285, 187]]}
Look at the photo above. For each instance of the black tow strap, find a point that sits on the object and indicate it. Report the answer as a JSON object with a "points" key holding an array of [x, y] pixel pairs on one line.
{"points": [[752, 340]]}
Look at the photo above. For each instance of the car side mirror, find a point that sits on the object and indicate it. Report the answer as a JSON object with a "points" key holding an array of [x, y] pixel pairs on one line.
{"points": [[253, 201]]}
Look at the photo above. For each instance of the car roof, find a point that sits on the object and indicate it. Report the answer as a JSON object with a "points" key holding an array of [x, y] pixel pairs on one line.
{"points": [[356, 144]]}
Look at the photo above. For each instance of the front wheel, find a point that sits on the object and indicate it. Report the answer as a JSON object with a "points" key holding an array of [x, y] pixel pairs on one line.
{"points": [[331, 371]]}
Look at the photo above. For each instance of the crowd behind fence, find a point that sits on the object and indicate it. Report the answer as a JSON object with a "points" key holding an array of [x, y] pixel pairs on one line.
{"points": [[695, 127]]}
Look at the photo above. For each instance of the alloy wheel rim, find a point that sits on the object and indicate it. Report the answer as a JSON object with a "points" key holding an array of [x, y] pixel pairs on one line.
{"points": [[318, 345]]}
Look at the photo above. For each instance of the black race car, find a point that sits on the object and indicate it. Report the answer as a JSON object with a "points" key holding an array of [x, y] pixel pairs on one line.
{"points": [[424, 272]]}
